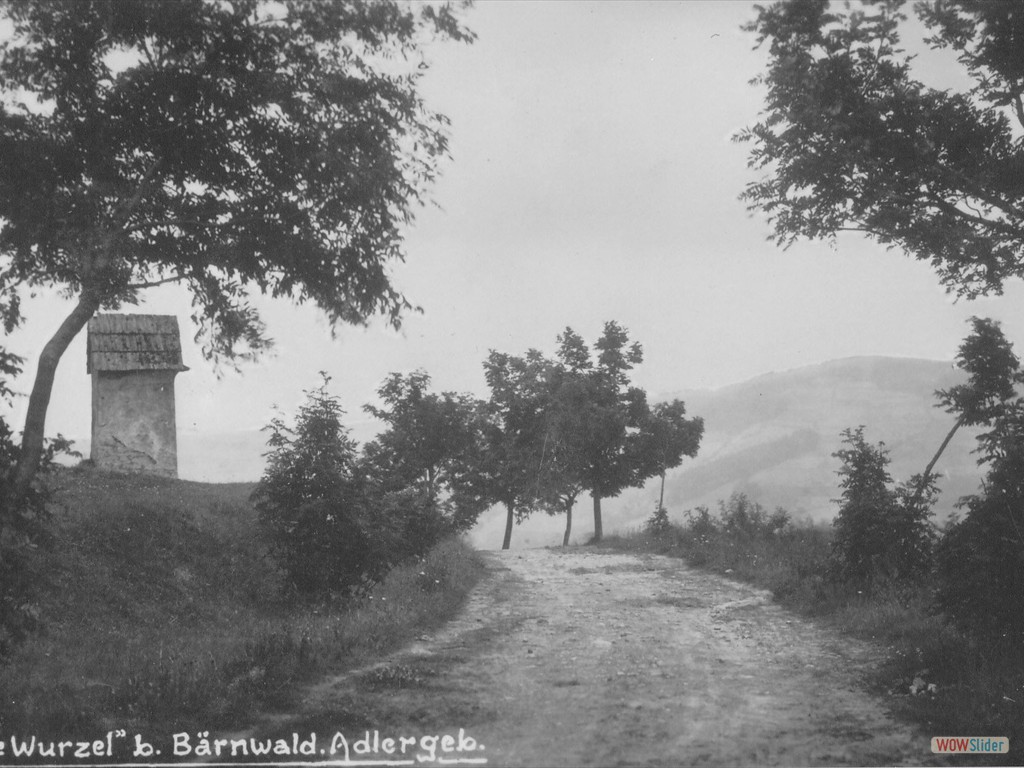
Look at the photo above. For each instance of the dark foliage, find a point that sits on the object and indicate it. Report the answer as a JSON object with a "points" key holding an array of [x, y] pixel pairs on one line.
{"points": [[658, 523], [335, 521], [981, 557], [512, 426], [604, 435], [424, 458], [312, 505], [23, 526], [742, 517], [882, 534], [849, 139]]}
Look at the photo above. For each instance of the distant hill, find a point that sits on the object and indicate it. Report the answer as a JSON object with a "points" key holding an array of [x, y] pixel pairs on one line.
{"points": [[772, 438]]}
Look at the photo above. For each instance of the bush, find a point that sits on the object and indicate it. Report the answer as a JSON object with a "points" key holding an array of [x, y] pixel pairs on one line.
{"points": [[700, 523], [658, 524], [23, 526], [743, 517], [981, 558], [745, 541], [311, 505], [406, 523], [337, 522], [882, 534]]}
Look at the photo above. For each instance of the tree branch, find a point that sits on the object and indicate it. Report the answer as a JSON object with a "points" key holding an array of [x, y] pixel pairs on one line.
{"points": [[972, 189], [155, 283], [129, 206], [996, 224], [868, 230], [1018, 106]]}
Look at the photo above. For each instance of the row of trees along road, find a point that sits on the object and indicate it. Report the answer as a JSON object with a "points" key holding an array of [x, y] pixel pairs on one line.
{"points": [[554, 429], [336, 518]]}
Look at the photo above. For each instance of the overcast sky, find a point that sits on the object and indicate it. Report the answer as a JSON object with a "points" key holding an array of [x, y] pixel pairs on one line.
{"points": [[592, 178]]}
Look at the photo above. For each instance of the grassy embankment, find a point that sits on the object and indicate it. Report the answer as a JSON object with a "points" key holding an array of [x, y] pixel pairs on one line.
{"points": [[163, 613], [933, 673]]}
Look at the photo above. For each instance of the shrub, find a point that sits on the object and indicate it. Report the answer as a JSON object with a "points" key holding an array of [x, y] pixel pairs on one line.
{"points": [[743, 517], [658, 523], [980, 563], [23, 526], [311, 504], [981, 558], [406, 523], [700, 523], [747, 542], [882, 534]]}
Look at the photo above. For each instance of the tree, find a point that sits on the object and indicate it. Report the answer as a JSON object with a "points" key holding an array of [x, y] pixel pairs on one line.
{"points": [[980, 559], [427, 447], [229, 147], [851, 141], [605, 439], [566, 412], [596, 422], [513, 435], [557, 428], [311, 502], [667, 436], [993, 370], [881, 533]]}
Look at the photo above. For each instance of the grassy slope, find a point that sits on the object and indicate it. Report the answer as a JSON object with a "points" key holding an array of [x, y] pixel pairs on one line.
{"points": [[162, 612]]}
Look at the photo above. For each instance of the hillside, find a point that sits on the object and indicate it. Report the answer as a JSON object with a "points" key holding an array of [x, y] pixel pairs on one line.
{"points": [[161, 611], [772, 438]]}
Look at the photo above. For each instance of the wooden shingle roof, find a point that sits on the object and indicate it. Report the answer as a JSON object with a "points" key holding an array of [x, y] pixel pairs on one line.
{"points": [[133, 343]]}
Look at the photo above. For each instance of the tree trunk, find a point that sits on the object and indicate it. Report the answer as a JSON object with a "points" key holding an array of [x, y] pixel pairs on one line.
{"points": [[507, 542], [661, 496], [597, 517], [568, 524], [931, 464], [39, 400]]}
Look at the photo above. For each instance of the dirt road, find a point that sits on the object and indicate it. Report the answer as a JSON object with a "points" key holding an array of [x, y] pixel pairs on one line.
{"points": [[584, 658]]}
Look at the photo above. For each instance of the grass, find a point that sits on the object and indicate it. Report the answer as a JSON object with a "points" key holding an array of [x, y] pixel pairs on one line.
{"points": [[163, 613], [933, 673]]}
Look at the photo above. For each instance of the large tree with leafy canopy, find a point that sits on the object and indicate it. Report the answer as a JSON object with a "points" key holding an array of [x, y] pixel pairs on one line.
{"points": [[565, 422], [428, 447], [851, 140], [241, 147], [513, 435], [603, 437], [993, 374]]}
